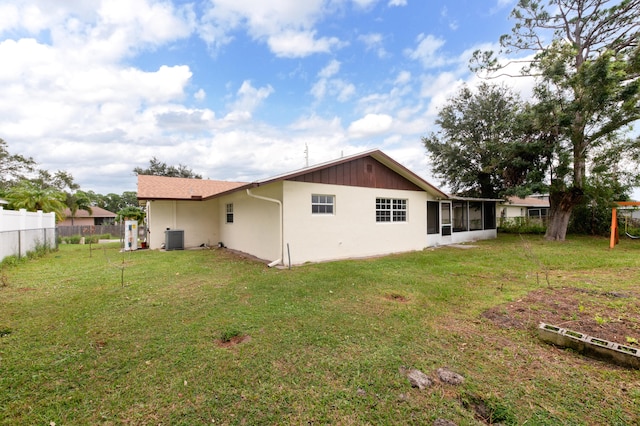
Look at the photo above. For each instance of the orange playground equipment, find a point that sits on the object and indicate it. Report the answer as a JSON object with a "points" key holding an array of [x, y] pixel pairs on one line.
{"points": [[615, 233]]}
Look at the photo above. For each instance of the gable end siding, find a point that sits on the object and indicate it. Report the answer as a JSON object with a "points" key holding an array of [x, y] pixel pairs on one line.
{"points": [[364, 172]]}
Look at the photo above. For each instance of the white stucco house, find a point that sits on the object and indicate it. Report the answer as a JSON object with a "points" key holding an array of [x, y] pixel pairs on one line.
{"points": [[533, 207], [356, 206]]}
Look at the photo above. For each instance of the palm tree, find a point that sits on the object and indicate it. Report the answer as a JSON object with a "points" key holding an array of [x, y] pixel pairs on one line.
{"points": [[33, 197], [78, 201]]}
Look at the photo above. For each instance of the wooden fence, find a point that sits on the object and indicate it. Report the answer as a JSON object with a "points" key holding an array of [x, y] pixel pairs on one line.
{"points": [[116, 231]]}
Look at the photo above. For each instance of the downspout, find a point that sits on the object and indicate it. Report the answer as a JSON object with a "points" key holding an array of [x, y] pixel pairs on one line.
{"points": [[279, 203]]}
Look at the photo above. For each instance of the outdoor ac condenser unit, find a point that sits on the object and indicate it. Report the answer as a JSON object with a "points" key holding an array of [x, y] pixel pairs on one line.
{"points": [[174, 239]]}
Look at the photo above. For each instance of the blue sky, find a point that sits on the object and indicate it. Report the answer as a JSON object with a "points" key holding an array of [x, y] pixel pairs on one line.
{"points": [[234, 89]]}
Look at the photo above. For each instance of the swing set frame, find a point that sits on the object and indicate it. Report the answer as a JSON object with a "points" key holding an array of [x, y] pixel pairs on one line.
{"points": [[615, 232]]}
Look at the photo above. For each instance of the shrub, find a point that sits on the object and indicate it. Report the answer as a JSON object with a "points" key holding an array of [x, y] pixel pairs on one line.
{"points": [[73, 239], [521, 225]]}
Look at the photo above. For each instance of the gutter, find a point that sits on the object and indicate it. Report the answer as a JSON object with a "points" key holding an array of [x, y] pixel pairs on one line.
{"points": [[279, 203]]}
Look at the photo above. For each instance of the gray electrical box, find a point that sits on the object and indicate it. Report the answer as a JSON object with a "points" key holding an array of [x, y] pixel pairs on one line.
{"points": [[174, 239]]}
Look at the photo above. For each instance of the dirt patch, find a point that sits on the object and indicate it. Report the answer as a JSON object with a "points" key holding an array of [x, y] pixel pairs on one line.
{"points": [[233, 341], [613, 316], [396, 297]]}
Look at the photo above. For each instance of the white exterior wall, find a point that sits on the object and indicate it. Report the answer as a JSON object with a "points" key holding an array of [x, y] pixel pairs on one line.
{"points": [[511, 211], [352, 231], [460, 237], [198, 220], [256, 227]]}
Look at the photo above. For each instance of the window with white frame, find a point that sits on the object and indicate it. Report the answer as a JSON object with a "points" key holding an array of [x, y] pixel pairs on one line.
{"points": [[391, 210], [322, 204], [229, 213]]}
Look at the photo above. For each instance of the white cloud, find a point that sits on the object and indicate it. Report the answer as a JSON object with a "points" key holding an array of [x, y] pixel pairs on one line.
{"points": [[373, 41], [427, 51], [287, 26], [106, 30], [200, 95], [370, 125], [298, 44], [364, 4], [403, 77], [326, 85], [9, 17], [58, 104], [317, 124], [332, 68], [397, 3], [248, 99]]}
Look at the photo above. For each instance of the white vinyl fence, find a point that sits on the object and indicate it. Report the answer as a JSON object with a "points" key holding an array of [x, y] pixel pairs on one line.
{"points": [[22, 231]]}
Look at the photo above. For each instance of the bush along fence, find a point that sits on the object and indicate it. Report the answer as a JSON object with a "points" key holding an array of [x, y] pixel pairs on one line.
{"points": [[22, 232]]}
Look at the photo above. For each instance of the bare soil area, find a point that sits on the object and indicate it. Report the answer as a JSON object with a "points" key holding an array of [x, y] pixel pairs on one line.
{"points": [[612, 316]]}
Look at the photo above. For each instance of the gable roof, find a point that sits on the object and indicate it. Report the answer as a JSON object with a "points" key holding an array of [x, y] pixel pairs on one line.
{"points": [[172, 188], [377, 155], [160, 187], [95, 212]]}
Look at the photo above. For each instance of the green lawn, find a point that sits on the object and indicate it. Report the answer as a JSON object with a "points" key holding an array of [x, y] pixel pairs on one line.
{"points": [[103, 337]]}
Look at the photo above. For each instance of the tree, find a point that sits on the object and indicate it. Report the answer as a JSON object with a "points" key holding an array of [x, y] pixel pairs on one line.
{"points": [[475, 152], [588, 85], [78, 201], [13, 167], [159, 168], [113, 202], [33, 197], [60, 180], [132, 213]]}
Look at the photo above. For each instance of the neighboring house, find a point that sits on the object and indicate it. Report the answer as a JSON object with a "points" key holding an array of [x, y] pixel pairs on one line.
{"points": [[356, 206], [534, 207], [98, 216]]}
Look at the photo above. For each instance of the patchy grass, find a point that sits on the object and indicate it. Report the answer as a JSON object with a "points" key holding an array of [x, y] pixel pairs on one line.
{"points": [[137, 338]]}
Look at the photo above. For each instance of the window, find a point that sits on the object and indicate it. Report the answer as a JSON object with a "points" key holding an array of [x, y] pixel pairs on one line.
{"points": [[489, 215], [475, 216], [322, 204], [542, 212], [391, 210], [433, 217], [230, 213], [460, 216], [445, 213]]}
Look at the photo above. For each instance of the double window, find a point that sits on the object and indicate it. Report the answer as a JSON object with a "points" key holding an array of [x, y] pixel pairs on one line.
{"points": [[322, 204], [391, 210]]}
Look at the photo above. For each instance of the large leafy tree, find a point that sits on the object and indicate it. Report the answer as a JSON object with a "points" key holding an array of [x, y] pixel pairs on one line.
{"points": [[479, 150], [587, 64], [114, 202], [13, 167], [160, 168]]}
